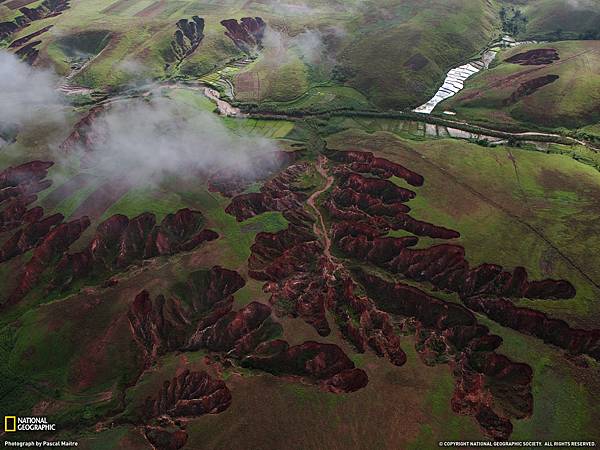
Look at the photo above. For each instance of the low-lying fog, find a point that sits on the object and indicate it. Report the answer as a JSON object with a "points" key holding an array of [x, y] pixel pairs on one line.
{"points": [[147, 138], [142, 139], [25, 92]]}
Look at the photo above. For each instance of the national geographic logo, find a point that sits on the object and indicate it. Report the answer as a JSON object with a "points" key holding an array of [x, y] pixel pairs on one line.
{"points": [[14, 423], [10, 423]]}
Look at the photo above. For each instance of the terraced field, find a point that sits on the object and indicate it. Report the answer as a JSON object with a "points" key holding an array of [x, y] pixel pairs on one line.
{"points": [[571, 101]]}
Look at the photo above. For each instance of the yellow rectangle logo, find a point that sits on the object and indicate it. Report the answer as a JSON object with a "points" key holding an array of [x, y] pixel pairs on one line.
{"points": [[10, 423]]}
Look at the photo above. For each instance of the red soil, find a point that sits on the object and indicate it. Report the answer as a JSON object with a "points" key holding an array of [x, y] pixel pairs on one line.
{"points": [[247, 34], [537, 57], [529, 87], [120, 242], [152, 10], [21, 41], [65, 190], [96, 204], [483, 377], [326, 363], [190, 394], [48, 251]]}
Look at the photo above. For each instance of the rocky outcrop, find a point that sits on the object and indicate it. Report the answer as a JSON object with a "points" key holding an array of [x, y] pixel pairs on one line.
{"points": [[203, 319], [298, 276], [247, 34], [18, 186], [325, 364], [535, 323], [164, 439], [189, 394], [27, 178], [48, 8], [8, 28], [362, 202], [26, 50], [277, 255], [210, 290], [443, 265], [363, 324], [366, 162], [489, 386], [25, 39], [181, 231], [29, 53], [536, 57], [529, 87], [15, 213], [368, 207], [305, 282], [158, 326], [52, 247], [381, 202], [167, 324], [84, 135], [276, 194], [408, 301], [120, 242], [388, 192], [236, 332], [28, 237], [188, 37], [291, 262], [233, 181]]}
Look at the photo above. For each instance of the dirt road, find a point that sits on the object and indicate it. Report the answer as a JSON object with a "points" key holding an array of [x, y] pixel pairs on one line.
{"points": [[319, 227]]}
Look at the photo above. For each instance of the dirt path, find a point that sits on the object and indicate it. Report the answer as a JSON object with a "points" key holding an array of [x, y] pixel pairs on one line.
{"points": [[225, 109], [76, 72], [319, 227], [512, 158]]}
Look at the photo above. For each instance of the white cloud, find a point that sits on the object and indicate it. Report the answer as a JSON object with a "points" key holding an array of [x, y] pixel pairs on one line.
{"points": [[26, 93]]}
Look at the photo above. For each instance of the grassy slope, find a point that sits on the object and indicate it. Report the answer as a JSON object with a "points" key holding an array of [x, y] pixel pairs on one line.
{"points": [[441, 34], [55, 376], [571, 17], [461, 181], [380, 41], [282, 73], [410, 405], [481, 193], [377, 42], [140, 38], [572, 101]]}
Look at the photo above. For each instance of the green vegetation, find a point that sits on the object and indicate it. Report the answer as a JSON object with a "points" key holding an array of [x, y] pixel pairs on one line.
{"points": [[321, 99], [505, 192], [274, 129], [236, 238], [555, 382], [559, 19], [146, 199], [414, 41], [72, 356], [569, 102], [514, 22]]}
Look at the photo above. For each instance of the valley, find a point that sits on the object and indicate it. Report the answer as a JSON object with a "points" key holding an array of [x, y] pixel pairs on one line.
{"points": [[299, 224]]}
